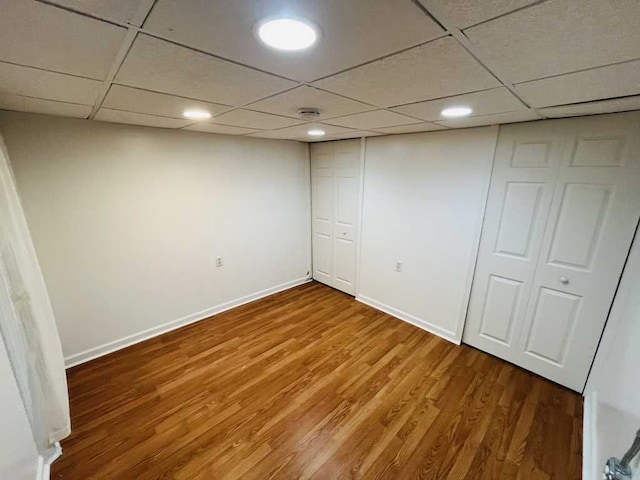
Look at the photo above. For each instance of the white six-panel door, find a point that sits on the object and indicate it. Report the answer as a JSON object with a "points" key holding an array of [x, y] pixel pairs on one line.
{"points": [[322, 211], [563, 206], [335, 171]]}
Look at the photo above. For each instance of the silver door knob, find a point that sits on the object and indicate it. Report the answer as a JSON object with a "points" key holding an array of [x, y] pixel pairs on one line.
{"points": [[564, 280]]}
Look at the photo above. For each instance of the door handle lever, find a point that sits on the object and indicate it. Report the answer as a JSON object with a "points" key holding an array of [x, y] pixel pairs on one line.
{"points": [[617, 469]]}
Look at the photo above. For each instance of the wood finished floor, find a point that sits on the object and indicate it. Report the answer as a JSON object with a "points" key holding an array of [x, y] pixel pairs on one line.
{"points": [[309, 383]]}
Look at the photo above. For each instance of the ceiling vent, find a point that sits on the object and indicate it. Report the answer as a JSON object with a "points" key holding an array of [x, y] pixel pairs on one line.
{"points": [[308, 113]]}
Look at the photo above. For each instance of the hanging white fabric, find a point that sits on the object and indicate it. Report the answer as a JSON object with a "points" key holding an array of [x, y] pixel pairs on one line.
{"points": [[27, 322]]}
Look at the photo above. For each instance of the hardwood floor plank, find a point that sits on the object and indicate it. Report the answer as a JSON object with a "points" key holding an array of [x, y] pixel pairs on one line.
{"points": [[311, 384]]}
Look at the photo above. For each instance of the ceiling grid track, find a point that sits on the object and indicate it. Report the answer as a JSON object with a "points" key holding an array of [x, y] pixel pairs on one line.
{"points": [[113, 71], [464, 41], [365, 80], [132, 32]]}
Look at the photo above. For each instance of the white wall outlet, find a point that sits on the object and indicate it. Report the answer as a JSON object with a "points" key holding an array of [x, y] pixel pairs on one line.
{"points": [[219, 261], [398, 266]]}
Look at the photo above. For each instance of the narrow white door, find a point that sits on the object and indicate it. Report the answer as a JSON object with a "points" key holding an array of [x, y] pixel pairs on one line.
{"points": [[335, 206], [322, 211], [562, 210]]}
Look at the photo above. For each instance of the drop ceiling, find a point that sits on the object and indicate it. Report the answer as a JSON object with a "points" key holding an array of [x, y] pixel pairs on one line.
{"points": [[381, 67]]}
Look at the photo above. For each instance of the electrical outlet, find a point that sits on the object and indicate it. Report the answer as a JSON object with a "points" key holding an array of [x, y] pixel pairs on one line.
{"points": [[219, 261], [398, 266]]}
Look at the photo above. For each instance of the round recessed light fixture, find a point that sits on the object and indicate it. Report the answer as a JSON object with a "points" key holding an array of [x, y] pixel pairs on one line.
{"points": [[287, 34], [453, 112], [196, 114], [316, 132]]}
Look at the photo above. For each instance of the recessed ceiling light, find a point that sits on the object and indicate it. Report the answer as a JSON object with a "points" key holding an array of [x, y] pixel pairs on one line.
{"points": [[287, 34], [196, 114], [456, 112], [316, 132]]}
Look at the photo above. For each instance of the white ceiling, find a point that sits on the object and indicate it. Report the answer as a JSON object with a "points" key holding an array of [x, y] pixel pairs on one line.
{"points": [[486, 102], [465, 13], [373, 119], [382, 67], [353, 31], [39, 35], [153, 103], [560, 36]]}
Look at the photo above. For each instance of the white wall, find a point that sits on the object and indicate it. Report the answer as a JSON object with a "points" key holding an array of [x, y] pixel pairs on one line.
{"points": [[615, 375], [27, 322], [127, 222], [18, 452], [423, 203]]}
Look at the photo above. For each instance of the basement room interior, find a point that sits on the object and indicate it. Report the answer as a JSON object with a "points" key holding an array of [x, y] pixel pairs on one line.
{"points": [[319, 239]]}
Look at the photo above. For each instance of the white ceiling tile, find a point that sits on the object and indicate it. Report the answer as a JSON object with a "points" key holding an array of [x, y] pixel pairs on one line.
{"points": [[560, 36], [438, 69], [464, 13], [48, 107], [125, 11], [510, 117], [613, 81], [487, 102], [153, 103], [593, 108], [223, 129], [355, 134], [33, 82], [339, 136], [165, 67], [353, 32], [330, 105], [255, 120], [416, 127], [374, 119], [40, 35], [117, 116], [300, 131]]}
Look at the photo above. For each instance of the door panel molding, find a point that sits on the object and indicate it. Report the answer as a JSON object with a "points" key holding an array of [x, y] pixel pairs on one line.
{"points": [[336, 183], [587, 171], [497, 318]]}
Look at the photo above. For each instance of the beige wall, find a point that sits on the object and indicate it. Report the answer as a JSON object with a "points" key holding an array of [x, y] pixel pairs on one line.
{"points": [[127, 222], [18, 452], [615, 372], [423, 204], [617, 362]]}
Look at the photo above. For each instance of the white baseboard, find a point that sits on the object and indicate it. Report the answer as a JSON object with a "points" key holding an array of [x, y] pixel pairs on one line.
{"points": [[42, 473], [99, 351], [45, 461], [415, 321], [590, 437]]}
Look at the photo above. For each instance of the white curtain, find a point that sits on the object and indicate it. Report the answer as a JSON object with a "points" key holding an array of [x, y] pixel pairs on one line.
{"points": [[27, 323]]}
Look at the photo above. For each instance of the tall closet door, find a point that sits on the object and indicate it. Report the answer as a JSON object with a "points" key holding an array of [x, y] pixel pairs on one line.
{"points": [[523, 180], [335, 186], [564, 228], [322, 211]]}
